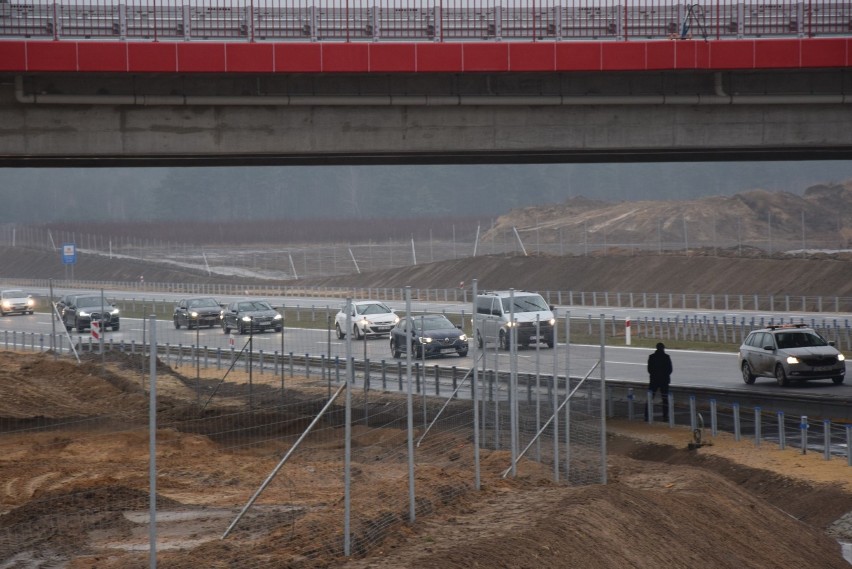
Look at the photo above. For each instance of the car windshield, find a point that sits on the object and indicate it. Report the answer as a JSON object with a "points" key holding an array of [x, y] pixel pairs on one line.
{"points": [[527, 303], [87, 301], [372, 308], [13, 294], [787, 340], [203, 303], [434, 323], [254, 305]]}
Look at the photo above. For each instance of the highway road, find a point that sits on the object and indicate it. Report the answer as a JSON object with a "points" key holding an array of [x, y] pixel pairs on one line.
{"points": [[691, 368]]}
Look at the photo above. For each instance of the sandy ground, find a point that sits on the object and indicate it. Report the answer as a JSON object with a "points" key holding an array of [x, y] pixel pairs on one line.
{"points": [[74, 492]]}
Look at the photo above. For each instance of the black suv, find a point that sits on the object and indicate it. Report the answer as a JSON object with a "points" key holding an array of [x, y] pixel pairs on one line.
{"points": [[790, 352], [79, 311], [194, 312]]}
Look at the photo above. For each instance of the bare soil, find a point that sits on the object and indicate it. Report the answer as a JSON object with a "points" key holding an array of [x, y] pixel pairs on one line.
{"points": [[703, 271], [74, 469]]}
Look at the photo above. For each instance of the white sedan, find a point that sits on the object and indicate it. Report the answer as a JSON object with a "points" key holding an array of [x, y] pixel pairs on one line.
{"points": [[369, 318], [16, 301]]}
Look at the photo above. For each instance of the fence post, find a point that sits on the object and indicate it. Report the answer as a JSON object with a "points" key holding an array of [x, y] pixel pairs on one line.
{"points": [[782, 432], [693, 419], [757, 425], [714, 425], [826, 439], [649, 407], [848, 445], [803, 428], [630, 404], [736, 410]]}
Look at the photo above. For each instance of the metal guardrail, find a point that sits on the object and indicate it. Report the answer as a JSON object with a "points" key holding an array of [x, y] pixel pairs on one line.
{"points": [[420, 20], [624, 398], [773, 303]]}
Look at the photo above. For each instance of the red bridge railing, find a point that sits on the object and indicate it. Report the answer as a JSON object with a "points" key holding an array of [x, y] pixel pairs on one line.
{"points": [[420, 20]]}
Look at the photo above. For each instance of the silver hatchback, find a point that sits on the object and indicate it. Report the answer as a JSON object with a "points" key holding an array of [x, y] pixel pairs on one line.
{"points": [[790, 352]]}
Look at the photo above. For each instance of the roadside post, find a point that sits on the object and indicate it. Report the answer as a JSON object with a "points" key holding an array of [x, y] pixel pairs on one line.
{"points": [[627, 331]]}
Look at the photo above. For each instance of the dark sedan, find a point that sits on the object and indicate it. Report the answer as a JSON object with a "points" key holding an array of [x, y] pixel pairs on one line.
{"points": [[429, 335], [247, 315], [194, 312], [80, 311]]}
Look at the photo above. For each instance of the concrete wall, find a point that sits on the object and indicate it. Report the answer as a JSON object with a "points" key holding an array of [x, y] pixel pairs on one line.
{"points": [[312, 125]]}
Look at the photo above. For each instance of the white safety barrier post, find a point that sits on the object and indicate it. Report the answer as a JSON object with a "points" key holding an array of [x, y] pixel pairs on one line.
{"points": [[803, 427], [782, 435], [826, 438], [627, 331]]}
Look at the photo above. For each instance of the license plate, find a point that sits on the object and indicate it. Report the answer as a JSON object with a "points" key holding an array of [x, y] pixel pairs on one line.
{"points": [[448, 350], [822, 368]]}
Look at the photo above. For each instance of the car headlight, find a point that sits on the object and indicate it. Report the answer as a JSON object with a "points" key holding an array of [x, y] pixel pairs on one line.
{"points": [[30, 302], [511, 324], [396, 320], [193, 314], [425, 340], [840, 357], [7, 304], [114, 311], [792, 360], [246, 318], [552, 321], [278, 317], [84, 314], [463, 337]]}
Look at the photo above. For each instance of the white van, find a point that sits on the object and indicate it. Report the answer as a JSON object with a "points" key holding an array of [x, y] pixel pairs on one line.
{"points": [[493, 310]]}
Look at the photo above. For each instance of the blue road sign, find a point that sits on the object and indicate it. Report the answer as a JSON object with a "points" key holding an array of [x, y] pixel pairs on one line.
{"points": [[69, 253]]}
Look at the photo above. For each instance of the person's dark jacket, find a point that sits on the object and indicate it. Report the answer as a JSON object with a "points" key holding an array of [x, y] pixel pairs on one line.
{"points": [[660, 367]]}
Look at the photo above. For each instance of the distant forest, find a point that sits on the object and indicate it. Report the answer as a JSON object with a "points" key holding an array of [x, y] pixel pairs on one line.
{"points": [[383, 194]]}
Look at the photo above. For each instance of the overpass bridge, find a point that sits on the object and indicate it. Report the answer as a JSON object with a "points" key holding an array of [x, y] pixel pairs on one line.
{"points": [[422, 81]]}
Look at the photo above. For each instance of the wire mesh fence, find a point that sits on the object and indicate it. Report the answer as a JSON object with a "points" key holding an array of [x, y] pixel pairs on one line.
{"points": [[78, 449], [75, 441]]}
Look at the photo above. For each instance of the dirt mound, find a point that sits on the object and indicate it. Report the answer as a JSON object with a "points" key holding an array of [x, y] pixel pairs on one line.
{"points": [[75, 494], [645, 273]]}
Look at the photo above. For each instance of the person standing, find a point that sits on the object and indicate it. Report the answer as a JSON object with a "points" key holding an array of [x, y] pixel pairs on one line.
{"points": [[660, 374]]}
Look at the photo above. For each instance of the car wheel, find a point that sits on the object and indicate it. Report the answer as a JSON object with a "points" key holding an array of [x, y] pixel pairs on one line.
{"points": [[394, 349], [116, 328], [177, 324], [340, 334], [837, 380], [31, 312], [504, 341], [462, 353], [781, 376], [549, 343], [279, 328], [748, 377], [356, 333]]}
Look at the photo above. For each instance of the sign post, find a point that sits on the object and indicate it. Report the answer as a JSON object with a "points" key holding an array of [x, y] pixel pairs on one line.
{"points": [[69, 257]]}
